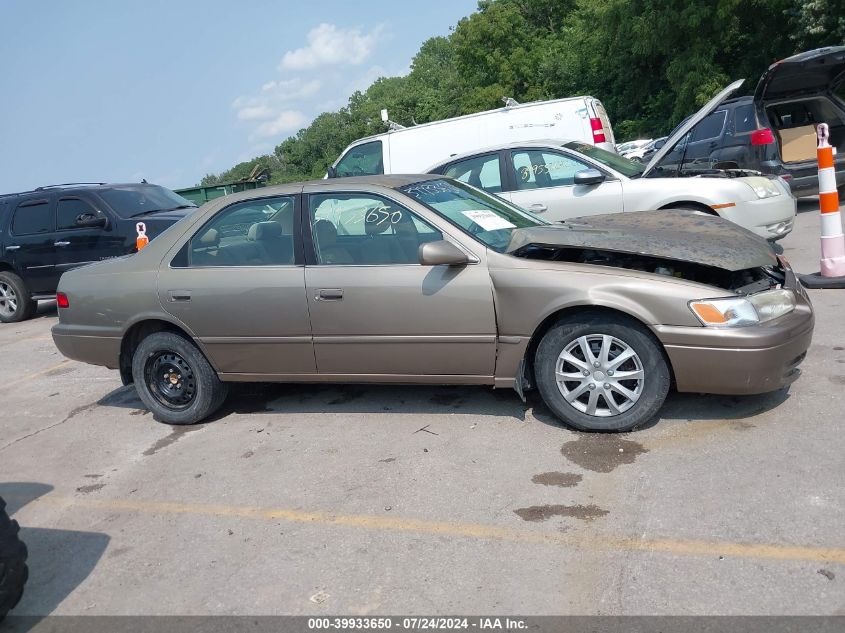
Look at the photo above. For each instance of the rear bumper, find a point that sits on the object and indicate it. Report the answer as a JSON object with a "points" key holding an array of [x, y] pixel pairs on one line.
{"points": [[96, 350], [740, 361]]}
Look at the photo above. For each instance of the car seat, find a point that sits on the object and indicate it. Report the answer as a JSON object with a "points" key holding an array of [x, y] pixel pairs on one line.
{"points": [[273, 247], [328, 250]]}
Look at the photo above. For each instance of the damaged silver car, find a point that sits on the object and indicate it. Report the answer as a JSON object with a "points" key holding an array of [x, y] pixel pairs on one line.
{"points": [[424, 279]]}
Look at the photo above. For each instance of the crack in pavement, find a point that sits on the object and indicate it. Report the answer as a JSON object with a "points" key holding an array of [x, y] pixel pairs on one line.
{"points": [[68, 418]]}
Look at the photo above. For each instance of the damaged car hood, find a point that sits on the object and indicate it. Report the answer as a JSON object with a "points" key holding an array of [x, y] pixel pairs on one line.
{"points": [[679, 235]]}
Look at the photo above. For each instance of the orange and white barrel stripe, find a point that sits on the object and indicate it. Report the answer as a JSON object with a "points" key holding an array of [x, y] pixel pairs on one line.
{"points": [[833, 241]]}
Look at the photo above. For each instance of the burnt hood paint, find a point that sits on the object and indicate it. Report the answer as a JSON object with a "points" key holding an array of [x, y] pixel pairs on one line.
{"points": [[815, 71], [680, 235]]}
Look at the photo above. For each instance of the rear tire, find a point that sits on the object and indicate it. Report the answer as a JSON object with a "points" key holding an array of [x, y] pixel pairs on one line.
{"points": [[13, 569], [601, 372], [15, 302], [175, 381]]}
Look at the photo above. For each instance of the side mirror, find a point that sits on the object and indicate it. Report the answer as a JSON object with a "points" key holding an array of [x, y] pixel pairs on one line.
{"points": [[659, 144], [442, 252], [589, 177], [90, 221], [331, 172]]}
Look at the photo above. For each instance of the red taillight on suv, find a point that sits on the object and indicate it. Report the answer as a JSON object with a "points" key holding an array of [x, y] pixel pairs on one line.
{"points": [[598, 130], [762, 137], [61, 300]]}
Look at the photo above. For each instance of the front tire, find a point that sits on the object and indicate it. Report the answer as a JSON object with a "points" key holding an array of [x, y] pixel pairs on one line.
{"points": [[175, 381], [15, 302], [13, 569], [601, 372]]}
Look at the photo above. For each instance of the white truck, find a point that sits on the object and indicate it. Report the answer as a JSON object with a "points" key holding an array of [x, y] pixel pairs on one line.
{"points": [[408, 150]]}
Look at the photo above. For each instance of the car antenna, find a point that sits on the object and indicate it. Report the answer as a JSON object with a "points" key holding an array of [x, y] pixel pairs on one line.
{"points": [[144, 181]]}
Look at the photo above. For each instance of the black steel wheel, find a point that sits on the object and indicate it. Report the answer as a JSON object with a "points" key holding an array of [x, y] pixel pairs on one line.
{"points": [[175, 380]]}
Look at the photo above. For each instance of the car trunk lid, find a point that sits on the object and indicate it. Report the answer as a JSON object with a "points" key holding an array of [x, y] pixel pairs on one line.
{"points": [[810, 72]]}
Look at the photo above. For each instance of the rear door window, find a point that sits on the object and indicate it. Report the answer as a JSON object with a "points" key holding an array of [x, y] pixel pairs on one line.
{"points": [[32, 218], [362, 160], [478, 171]]}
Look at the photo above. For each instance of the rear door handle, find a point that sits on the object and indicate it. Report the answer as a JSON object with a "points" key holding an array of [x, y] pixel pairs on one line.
{"points": [[61, 243], [329, 294], [12, 248], [539, 207], [179, 295]]}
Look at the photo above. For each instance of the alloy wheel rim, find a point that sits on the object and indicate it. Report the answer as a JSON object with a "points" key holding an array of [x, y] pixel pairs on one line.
{"points": [[8, 299], [170, 380], [600, 375]]}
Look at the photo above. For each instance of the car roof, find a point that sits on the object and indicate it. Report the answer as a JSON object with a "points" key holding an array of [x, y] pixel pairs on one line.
{"points": [[543, 142], [75, 187]]}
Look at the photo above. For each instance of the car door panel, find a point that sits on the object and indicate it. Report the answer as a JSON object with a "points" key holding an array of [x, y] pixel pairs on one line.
{"points": [[249, 320], [84, 245], [252, 319], [31, 242], [406, 319], [391, 315], [536, 173]]}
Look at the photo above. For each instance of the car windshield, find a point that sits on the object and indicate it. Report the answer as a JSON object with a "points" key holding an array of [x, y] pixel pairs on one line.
{"points": [[130, 201], [488, 219], [616, 162]]}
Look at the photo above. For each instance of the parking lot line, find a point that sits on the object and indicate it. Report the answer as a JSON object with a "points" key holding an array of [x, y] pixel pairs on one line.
{"points": [[593, 541], [35, 374]]}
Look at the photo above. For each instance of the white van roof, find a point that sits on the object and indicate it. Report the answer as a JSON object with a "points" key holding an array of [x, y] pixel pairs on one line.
{"points": [[464, 117]]}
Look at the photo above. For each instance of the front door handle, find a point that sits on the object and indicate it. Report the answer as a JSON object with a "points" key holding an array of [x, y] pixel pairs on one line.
{"points": [[329, 294], [61, 243], [179, 295], [12, 248], [539, 207]]}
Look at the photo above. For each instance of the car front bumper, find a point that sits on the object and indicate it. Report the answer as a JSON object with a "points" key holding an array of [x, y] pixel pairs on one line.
{"points": [[771, 218], [741, 361]]}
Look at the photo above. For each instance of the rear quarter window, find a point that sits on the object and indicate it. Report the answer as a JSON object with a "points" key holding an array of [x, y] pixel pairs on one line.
{"points": [[32, 218]]}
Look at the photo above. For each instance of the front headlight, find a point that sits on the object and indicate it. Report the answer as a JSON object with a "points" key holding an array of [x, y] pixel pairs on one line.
{"points": [[764, 188], [741, 311]]}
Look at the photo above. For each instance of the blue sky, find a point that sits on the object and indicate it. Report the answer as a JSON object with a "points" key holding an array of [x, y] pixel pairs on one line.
{"points": [[104, 90]]}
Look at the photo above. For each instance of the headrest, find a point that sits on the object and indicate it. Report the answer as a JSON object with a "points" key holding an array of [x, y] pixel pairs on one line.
{"points": [[210, 238], [326, 233], [264, 231], [377, 220]]}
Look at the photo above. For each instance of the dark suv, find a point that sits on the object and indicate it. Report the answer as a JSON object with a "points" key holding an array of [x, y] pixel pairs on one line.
{"points": [[52, 229], [793, 95]]}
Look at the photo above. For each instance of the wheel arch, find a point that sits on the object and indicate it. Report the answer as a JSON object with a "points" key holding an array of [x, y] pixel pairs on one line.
{"points": [[572, 311], [136, 333], [690, 204]]}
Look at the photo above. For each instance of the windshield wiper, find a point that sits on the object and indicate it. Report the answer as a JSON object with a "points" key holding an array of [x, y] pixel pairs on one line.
{"points": [[150, 211]]}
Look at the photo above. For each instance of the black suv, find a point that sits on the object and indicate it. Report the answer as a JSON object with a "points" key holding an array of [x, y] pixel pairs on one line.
{"points": [[52, 229], [796, 94]]}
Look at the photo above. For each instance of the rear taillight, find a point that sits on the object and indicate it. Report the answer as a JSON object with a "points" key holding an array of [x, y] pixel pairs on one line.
{"points": [[762, 137], [61, 300], [598, 130]]}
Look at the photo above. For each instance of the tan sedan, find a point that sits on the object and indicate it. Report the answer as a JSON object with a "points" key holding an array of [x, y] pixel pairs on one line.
{"points": [[424, 279]]}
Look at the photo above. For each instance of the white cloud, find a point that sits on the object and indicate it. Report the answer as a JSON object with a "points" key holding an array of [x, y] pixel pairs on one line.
{"points": [[256, 113], [330, 45], [286, 121]]}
